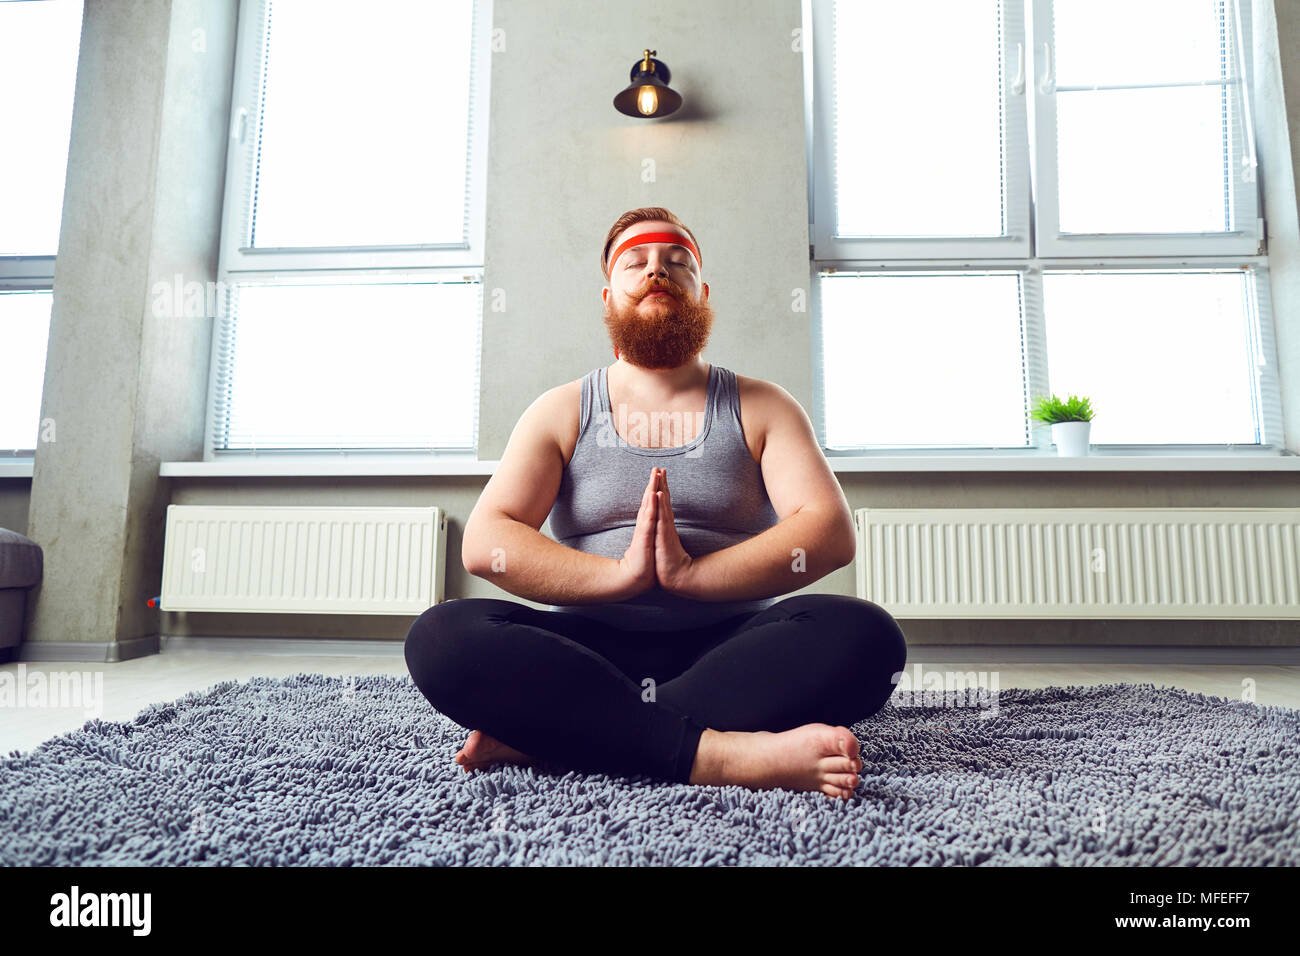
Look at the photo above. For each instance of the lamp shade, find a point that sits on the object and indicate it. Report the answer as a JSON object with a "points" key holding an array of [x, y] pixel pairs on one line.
{"points": [[649, 93]]}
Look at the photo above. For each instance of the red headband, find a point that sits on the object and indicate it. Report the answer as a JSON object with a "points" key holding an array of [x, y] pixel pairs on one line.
{"points": [[673, 237]]}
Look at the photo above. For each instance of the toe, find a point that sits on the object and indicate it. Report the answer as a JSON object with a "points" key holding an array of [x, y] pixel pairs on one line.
{"points": [[839, 764], [850, 742], [839, 741]]}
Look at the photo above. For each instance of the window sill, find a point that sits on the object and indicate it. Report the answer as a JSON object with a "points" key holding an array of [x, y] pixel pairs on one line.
{"points": [[840, 464], [358, 467], [332, 465], [1058, 463]]}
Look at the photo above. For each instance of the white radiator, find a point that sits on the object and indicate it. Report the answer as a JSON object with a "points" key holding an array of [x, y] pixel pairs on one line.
{"points": [[1198, 563], [303, 560]]}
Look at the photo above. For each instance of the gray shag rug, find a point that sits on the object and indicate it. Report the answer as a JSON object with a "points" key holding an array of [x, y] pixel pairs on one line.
{"points": [[316, 770]]}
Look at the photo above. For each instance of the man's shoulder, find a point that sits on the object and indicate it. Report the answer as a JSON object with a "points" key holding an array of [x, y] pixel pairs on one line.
{"points": [[561, 406], [563, 395], [762, 394], [764, 405]]}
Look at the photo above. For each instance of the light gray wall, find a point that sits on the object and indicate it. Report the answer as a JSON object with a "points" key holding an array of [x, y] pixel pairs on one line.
{"points": [[562, 164], [15, 500], [566, 164]]}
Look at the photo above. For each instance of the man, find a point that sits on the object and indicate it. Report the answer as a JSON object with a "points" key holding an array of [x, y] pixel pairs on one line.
{"points": [[664, 649]]}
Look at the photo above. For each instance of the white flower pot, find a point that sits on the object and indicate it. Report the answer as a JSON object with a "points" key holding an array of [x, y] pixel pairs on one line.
{"points": [[1071, 438]]}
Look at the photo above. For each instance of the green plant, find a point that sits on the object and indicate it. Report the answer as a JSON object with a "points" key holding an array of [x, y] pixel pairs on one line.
{"points": [[1051, 411]]}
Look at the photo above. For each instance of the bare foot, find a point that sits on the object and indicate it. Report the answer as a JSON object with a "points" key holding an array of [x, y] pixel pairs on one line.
{"points": [[811, 757], [481, 751]]}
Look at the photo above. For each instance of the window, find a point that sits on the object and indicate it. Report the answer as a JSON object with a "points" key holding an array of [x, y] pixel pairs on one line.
{"points": [[1030, 197], [39, 44], [1142, 128], [929, 156], [349, 294]]}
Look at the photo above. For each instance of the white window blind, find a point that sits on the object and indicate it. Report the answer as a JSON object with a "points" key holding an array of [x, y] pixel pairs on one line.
{"points": [[362, 157], [1145, 286], [39, 43], [924, 140], [330, 364], [1142, 113], [1187, 373], [353, 229], [24, 334], [923, 360]]}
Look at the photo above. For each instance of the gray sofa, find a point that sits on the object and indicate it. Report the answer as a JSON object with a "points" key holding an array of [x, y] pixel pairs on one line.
{"points": [[20, 569]]}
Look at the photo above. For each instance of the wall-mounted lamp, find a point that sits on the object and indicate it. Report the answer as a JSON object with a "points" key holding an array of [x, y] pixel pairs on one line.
{"points": [[649, 93]]}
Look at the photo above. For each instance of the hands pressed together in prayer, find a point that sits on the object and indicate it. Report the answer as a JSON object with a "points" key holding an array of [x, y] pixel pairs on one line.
{"points": [[656, 554]]}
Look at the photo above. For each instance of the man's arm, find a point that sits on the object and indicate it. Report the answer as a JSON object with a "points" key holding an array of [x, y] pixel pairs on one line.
{"points": [[815, 534], [502, 543]]}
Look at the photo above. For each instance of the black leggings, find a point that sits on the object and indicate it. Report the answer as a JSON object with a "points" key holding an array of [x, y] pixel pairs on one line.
{"points": [[564, 688]]}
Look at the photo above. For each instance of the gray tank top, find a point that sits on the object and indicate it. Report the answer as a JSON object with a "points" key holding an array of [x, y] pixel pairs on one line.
{"points": [[718, 494]]}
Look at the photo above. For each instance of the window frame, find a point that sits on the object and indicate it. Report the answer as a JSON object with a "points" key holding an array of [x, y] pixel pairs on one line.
{"points": [[238, 259], [19, 272], [1049, 241], [239, 264], [827, 245], [831, 256]]}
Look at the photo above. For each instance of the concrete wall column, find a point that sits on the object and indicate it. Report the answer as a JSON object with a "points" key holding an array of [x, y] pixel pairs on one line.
{"points": [[126, 377]]}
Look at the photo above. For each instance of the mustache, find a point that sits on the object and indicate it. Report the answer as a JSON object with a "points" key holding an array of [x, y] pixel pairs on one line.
{"points": [[654, 287]]}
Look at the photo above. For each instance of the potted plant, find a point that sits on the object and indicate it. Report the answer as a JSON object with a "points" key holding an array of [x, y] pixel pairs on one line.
{"points": [[1071, 420]]}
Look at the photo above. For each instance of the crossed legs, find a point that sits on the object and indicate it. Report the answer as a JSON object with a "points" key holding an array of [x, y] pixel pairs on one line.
{"points": [[760, 700]]}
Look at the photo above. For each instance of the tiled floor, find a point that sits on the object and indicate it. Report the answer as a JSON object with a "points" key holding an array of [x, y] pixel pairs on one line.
{"points": [[130, 686]]}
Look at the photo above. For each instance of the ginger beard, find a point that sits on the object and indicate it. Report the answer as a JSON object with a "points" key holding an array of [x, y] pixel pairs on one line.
{"points": [[663, 332]]}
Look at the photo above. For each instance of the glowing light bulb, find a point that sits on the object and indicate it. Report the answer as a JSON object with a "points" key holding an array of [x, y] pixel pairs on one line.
{"points": [[647, 100]]}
